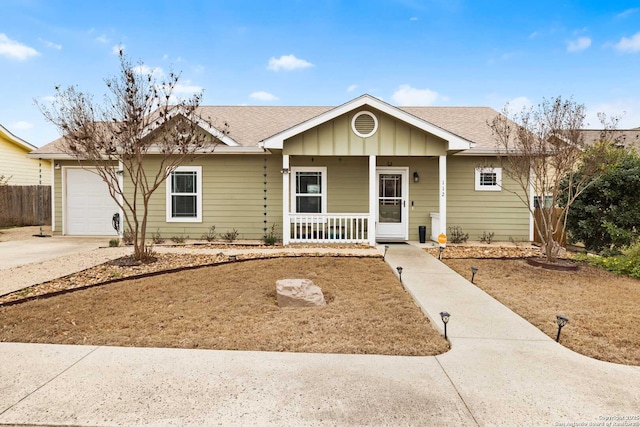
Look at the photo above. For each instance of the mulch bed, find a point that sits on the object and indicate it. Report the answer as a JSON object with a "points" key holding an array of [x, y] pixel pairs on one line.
{"points": [[123, 268]]}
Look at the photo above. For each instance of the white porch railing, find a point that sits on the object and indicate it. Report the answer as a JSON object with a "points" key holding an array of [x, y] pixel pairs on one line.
{"points": [[328, 228]]}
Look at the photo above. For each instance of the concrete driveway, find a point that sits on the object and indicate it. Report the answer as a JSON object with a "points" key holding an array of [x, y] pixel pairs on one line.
{"points": [[37, 249], [34, 260]]}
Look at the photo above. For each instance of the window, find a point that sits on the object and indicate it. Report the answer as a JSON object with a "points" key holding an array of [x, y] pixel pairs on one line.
{"points": [[537, 201], [309, 190], [184, 194], [488, 179]]}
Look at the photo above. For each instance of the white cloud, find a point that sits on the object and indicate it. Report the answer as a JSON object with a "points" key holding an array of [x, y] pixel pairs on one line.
{"points": [[413, 18], [51, 45], [628, 12], [351, 88], [579, 44], [14, 49], [187, 87], [629, 45], [533, 35], [102, 39], [263, 96], [48, 98], [22, 125], [406, 96], [146, 70], [288, 63], [117, 48], [516, 105], [628, 109]]}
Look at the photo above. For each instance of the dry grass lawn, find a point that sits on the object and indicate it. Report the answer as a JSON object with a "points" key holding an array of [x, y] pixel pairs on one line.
{"points": [[233, 307], [603, 309]]}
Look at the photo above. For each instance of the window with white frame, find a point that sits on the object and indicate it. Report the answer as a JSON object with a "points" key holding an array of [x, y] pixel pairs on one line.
{"points": [[309, 189], [184, 194], [488, 179]]}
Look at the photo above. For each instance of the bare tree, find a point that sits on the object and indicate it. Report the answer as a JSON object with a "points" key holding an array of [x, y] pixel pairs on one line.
{"points": [[541, 149], [139, 120]]}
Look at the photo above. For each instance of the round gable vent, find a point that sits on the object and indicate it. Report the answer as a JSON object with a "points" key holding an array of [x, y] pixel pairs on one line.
{"points": [[364, 124]]}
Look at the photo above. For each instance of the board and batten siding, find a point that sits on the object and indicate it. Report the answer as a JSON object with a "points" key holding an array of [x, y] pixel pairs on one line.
{"points": [[393, 138], [232, 197], [21, 170], [500, 212]]}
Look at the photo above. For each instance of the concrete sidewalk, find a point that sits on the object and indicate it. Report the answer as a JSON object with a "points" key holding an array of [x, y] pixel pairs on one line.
{"points": [[500, 371]]}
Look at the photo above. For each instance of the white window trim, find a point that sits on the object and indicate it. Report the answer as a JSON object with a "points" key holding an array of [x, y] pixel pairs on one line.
{"points": [[198, 170], [323, 183], [497, 171]]}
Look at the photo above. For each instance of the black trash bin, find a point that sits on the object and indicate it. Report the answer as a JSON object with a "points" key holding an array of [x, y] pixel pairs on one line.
{"points": [[422, 232]]}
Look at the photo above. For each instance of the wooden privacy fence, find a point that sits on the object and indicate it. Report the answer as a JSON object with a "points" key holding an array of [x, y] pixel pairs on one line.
{"points": [[25, 205], [537, 214]]}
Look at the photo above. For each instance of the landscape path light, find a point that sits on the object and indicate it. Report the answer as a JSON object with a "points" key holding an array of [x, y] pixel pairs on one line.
{"points": [[445, 319], [386, 248], [561, 321], [399, 272], [474, 270]]}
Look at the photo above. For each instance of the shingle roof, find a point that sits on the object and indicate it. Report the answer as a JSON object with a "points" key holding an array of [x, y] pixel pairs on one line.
{"points": [[627, 138], [248, 125]]}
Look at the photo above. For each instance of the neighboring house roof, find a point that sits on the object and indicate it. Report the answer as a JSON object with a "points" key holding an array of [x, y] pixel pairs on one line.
{"points": [[624, 137], [249, 126], [14, 139]]}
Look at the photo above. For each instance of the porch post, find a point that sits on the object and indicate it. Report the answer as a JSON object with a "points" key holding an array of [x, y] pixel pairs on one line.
{"points": [[442, 175], [372, 201], [286, 197]]}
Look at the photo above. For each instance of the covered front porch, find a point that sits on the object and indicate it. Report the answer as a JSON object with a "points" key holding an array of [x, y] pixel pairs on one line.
{"points": [[362, 199], [363, 172]]}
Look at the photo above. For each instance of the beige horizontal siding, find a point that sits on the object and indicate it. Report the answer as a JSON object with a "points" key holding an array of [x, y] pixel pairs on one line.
{"points": [[21, 170], [499, 212], [233, 197]]}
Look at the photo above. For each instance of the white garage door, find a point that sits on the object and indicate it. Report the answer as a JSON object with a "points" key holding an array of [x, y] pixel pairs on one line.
{"points": [[89, 208]]}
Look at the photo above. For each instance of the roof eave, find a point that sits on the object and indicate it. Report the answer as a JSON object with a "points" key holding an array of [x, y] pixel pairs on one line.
{"points": [[17, 140], [208, 127]]}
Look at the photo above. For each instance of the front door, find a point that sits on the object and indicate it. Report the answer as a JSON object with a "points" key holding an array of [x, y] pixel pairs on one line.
{"points": [[393, 192]]}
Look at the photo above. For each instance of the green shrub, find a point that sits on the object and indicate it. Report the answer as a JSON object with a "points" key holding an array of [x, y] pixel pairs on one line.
{"points": [[230, 236], [157, 237], [210, 235], [627, 263], [456, 235], [270, 238], [487, 237], [114, 243], [127, 237], [606, 215], [178, 239]]}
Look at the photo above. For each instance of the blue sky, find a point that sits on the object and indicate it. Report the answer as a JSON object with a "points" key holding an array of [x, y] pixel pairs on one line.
{"points": [[316, 52]]}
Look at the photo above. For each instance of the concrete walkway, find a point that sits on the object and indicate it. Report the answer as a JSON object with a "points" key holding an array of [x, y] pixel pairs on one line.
{"points": [[500, 371]]}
